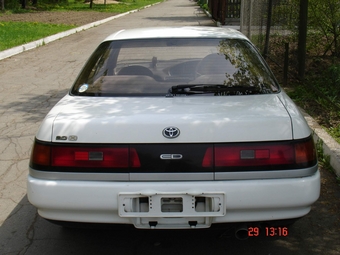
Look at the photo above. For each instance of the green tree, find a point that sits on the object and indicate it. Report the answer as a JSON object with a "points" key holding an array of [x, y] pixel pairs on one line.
{"points": [[323, 22], [325, 18]]}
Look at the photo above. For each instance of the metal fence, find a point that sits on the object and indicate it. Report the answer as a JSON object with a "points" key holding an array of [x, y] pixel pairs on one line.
{"points": [[271, 25], [233, 8], [224, 11], [232, 12]]}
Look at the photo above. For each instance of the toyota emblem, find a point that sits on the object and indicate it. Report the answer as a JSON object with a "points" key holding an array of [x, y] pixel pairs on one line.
{"points": [[171, 132]]}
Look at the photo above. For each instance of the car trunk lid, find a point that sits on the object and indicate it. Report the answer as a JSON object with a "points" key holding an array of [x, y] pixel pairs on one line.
{"points": [[200, 119]]}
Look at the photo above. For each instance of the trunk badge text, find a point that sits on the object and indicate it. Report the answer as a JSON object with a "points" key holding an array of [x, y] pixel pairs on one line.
{"points": [[171, 132], [171, 156], [65, 138]]}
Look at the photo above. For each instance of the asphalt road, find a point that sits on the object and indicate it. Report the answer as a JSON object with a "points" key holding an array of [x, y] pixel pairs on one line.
{"points": [[30, 85]]}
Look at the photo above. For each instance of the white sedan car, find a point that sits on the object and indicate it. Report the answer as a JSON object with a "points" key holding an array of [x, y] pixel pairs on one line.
{"points": [[174, 128]]}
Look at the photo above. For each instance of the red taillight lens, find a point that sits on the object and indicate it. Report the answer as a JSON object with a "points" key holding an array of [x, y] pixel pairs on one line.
{"points": [[300, 153], [41, 154], [134, 159], [85, 157], [90, 157], [305, 152], [254, 155], [208, 160]]}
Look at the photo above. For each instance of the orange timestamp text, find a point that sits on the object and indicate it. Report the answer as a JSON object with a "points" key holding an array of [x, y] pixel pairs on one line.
{"points": [[268, 231]]}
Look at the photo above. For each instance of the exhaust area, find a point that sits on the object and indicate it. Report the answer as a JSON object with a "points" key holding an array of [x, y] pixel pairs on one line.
{"points": [[241, 232]]}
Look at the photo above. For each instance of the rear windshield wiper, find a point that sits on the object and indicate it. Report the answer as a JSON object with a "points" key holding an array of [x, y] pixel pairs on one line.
{"points": [[192, 89]]}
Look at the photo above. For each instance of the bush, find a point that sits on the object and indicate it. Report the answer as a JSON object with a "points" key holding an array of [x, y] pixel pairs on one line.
{"points": [[328, 83]]}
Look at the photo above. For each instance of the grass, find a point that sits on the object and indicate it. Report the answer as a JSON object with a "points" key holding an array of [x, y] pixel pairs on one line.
{"points": [[320, 108], [17, 33], [319, 95], [79, 5], [123, 6]]}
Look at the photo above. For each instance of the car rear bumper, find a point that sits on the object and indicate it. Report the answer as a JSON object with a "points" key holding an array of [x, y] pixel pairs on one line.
{"points": [[174, 204]]}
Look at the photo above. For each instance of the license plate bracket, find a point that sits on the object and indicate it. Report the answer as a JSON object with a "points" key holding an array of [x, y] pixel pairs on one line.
{"points": [[204, 204]]}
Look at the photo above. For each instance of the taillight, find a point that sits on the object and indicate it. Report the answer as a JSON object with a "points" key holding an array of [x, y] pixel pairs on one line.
{"points": [[84, 157], [134, 159], [90, 157], [305, 152], [41, 154], [295, 154]]}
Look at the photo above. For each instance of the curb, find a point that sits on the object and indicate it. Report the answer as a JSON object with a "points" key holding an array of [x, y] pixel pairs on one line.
{"points": [[330, 147], [32, 45]]}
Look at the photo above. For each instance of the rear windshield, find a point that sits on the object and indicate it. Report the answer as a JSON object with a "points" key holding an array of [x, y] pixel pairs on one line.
{"points": [[175, 67]]}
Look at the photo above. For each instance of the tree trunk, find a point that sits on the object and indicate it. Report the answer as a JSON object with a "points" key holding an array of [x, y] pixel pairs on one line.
{"points": [[302, 38]]}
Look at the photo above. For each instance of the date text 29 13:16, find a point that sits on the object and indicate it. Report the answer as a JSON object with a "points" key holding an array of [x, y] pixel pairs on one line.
{"points": [[269, 231]]}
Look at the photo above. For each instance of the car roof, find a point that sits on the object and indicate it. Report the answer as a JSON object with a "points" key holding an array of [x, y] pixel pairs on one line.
{"points": [[176, 32]]}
